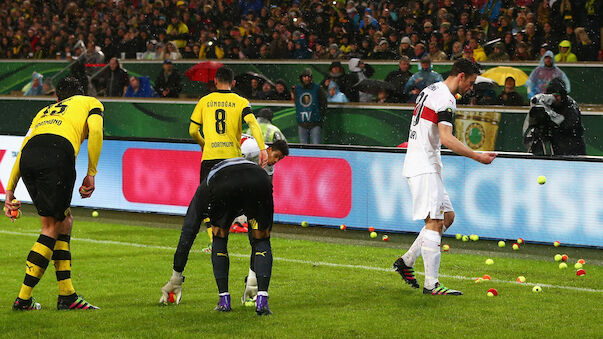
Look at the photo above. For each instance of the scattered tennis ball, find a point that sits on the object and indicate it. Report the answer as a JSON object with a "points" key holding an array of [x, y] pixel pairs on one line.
{"points": [[541, 180], [373, 234], [445, 248], [249, 303], [580, 272], [371, 229], [493, 291], [305, 224], [465, 238], [536, 289], [556, 244], [342, 227], [578, 266], [521, 279], [515, 246], [564, 257], [501, 244], [563, 265], [520, 241], [94, 214], [474, 237], [490, 294], [557, 257], [385, 237], [486, 277], [582, 261], [478, 280], [458, 236], [489, 261]]}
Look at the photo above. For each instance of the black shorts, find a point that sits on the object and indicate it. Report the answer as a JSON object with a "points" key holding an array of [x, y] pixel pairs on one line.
{"points": [[48, 172], [240, 189], [206, 166]]}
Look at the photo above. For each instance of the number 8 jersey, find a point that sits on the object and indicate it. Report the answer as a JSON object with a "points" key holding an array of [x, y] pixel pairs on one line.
{"points": [[221, 115], [434, 105]]}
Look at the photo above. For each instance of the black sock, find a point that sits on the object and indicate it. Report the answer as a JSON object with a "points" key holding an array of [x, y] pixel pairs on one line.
{"points": [[263, 263], [220, 262]]}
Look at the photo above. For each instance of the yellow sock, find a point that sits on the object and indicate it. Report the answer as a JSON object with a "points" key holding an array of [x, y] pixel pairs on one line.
{"points": [[211, 235], [62, 265], [37, 261]]}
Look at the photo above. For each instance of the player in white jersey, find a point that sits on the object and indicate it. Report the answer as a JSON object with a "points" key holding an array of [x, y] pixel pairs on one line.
{"points": [[430, 128], [251, 151]]}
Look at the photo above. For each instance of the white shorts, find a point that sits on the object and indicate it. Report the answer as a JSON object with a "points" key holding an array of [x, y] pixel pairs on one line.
{"points": [[429, 197]]}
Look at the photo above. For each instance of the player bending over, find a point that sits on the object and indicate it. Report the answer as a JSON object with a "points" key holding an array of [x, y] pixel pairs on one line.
{"points": [[430, 128], [192, 223], [231, 187], [251, 151], [47, 165]]}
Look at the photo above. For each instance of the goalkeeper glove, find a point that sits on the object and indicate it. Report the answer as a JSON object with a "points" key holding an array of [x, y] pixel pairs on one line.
{"points": [[174, 285]]}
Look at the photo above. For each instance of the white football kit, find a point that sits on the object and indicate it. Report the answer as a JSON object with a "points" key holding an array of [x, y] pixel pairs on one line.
{"points": [[423, 163]]}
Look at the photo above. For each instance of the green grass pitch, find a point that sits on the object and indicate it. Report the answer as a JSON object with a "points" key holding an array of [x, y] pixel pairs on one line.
{"points": [[326, 283]]}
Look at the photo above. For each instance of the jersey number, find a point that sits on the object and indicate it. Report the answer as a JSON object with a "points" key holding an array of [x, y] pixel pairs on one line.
{"points": [[419, 107], [220, 121], [55, 109]]}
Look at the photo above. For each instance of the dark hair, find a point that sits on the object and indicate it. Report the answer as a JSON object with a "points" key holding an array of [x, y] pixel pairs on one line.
{"points": [[224, 75], [464, 66], [281, 145], [68, 87], [265, 113]]}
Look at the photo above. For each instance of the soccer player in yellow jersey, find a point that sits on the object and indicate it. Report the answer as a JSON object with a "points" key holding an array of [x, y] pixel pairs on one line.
{"points": [[220, 115], [46, 163]]}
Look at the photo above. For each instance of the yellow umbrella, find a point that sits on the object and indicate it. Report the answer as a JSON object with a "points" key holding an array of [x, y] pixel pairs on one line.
{"points": [[501, 73]]}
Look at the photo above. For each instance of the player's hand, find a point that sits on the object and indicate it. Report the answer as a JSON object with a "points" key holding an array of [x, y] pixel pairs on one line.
{"points": [[485, 158], [263, 158], [87, 187], [174, 285], [11, 206]]}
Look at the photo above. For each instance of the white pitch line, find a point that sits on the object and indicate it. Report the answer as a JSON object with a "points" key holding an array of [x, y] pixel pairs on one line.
{"points": [[307, 262]]}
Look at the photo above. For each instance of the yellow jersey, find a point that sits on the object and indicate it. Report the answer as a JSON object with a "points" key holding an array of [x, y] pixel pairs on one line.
{"points": [[73, 119], [67, 118], [220, 115]]}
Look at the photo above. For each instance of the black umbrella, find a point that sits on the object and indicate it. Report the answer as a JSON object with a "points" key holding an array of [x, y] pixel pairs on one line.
{"points": [[243, 82], [373, 86]]}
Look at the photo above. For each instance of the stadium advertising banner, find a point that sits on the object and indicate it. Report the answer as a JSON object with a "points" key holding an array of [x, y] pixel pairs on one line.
{"points": [[359, 189]]}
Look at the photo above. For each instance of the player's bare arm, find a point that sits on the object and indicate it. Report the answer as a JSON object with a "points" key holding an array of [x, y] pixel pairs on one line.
{"points": [[455, 145]]}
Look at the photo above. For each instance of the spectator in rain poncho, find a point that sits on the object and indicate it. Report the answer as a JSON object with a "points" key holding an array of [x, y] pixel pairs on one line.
{"points": [[334, 94], [35, 86], [423, 78], [140, 87], [543, 74]]}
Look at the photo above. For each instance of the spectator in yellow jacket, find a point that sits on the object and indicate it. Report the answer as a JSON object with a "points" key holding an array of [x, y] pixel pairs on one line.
{"points": [[478, 51], [565, 52]]}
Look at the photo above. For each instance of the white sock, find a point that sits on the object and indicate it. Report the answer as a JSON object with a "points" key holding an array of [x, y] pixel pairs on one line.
{"points": [[263, 293], [430, 249], [414, 251], [251, 278]]}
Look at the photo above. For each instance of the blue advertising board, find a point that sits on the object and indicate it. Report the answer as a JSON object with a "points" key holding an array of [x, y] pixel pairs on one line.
{"points": [[360, 188]]}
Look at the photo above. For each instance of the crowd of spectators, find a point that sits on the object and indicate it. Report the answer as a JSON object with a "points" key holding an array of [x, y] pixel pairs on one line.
{"points": [[497, 30]]}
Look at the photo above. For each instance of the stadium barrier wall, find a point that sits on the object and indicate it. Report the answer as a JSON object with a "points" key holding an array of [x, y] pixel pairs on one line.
{"points": [[359, 187], [481, 128], [14, 74]]}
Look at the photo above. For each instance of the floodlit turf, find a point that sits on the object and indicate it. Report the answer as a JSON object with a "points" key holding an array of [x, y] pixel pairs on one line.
{"points": [[308, 300]]}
